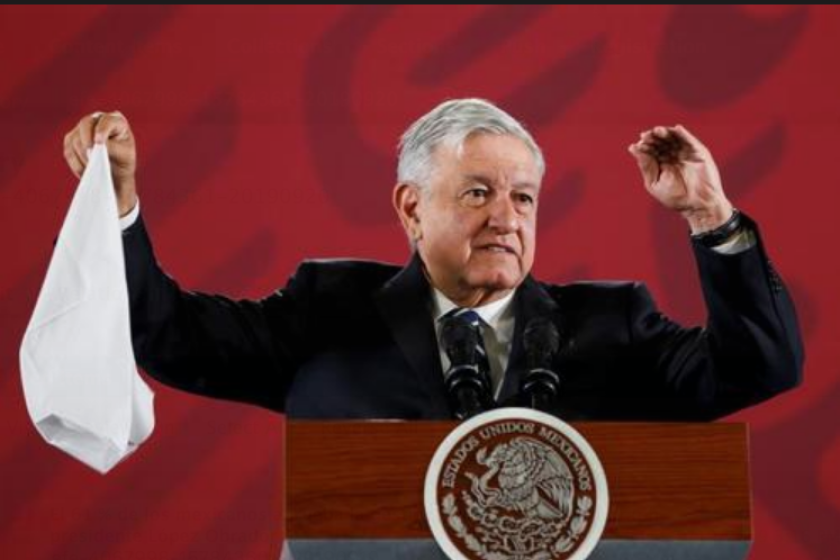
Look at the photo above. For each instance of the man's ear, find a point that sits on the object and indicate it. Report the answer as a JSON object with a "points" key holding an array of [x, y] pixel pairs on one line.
{"points": [[406, 201]]}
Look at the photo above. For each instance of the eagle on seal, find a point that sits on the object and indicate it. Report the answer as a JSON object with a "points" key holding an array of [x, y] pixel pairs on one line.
{"points": [[531, 478]]}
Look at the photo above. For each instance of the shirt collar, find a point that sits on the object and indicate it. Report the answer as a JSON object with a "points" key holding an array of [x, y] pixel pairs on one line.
{"points": [[491, 313]]}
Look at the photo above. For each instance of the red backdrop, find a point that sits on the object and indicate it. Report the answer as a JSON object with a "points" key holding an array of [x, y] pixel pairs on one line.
{"points": [[267, 135]]}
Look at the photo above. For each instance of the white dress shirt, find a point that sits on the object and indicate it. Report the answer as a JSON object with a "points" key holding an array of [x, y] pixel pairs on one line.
{"points": [[497, 330]]}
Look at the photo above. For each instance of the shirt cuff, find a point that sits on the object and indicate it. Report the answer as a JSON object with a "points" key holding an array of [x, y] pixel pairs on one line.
{"points": [[128, 220], [740, 242]]}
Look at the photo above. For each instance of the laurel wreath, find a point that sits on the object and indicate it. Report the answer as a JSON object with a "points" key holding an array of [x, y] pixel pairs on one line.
{"points": [[457, 524], [576, 528]]}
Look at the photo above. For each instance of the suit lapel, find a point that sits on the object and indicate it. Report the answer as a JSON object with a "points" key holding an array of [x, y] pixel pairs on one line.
{"points": [[531, 301], [404, 303]]}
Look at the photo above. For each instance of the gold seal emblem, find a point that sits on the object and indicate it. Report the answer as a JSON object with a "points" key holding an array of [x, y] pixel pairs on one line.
{"points": [[516, 484]]}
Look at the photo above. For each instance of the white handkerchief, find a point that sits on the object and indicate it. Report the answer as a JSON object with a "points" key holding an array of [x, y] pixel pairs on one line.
{"points": [[79, 377]]}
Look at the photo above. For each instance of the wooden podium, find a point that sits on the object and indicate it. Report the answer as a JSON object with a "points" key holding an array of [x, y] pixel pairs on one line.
{"points": [[677, 491]]}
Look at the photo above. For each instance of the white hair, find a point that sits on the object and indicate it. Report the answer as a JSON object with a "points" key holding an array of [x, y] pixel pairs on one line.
{"points": [[451, 123]]}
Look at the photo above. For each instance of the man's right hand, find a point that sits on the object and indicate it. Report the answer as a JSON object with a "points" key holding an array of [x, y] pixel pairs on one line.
{"points": [[113, 130]]}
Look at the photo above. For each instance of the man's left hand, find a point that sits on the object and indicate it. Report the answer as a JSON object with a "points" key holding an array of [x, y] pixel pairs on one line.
{"points": [[679, 172]]}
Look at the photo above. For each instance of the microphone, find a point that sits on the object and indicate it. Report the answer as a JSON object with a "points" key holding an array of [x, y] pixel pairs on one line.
{"points": [[467, 381], [540, 386]]}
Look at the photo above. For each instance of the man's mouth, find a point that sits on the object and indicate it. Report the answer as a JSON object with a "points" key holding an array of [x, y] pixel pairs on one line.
{"points": [[498, 248]]}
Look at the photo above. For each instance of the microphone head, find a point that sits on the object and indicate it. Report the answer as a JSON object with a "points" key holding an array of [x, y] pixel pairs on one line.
{"points": [[541, 340], [460, 340]]}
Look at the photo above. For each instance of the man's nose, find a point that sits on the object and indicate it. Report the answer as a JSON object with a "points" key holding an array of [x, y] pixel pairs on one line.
{"points": [[503, 216]]}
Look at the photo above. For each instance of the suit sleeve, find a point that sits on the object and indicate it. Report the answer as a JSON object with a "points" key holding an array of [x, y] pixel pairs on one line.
{"points": [[212, 345], [750, 350]]}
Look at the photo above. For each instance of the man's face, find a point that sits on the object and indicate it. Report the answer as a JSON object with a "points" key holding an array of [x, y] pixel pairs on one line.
{"points": [[476, 220]]}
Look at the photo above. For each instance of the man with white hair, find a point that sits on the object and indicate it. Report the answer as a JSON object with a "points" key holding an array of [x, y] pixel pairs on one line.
{"points": [[353, 339]]}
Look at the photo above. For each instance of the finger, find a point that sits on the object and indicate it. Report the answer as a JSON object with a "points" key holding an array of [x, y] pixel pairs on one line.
{"points": [[68, 150], [657, 149], [76, 166], [68, 140], [654, 150], [111, 125], [639, 150], [85, 128], [667, 137], [656, 143], [647, 136], [647, 162], [120, 151], [79, 149], [686, 136], [687, 147], [660, 132], [645, 145], [660, 143], [649, 141], [664, 142]]}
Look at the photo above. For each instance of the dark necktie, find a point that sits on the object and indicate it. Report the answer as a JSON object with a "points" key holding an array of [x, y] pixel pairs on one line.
{"points": [[475, 320]]}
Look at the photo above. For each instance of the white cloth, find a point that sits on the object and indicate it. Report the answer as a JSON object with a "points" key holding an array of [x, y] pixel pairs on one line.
{"points": [[80, 381]]}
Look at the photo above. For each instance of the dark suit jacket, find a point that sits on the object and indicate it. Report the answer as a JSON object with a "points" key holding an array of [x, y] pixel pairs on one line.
{"points": [[353, 339]]}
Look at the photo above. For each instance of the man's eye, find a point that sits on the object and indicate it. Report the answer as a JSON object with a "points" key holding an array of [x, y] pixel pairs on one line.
{"points": [[525, 198], [477, 193], [475, 197]]}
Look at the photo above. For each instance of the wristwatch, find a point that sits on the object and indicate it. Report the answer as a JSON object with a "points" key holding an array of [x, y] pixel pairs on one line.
{"points": [[722, 233]]}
